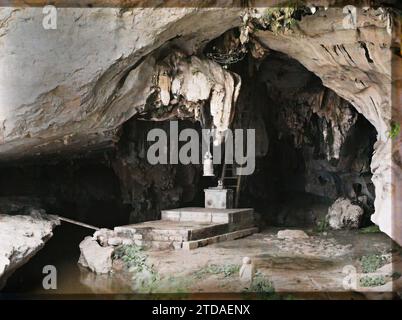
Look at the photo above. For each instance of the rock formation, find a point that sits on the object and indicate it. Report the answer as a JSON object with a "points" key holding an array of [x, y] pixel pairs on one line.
{"points": [[292, 234], [82, 81], [21, 237], [343, 214], [95, 58], [356, 64], [95, 257]]}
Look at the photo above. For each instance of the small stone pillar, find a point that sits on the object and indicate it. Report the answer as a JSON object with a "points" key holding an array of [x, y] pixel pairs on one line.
{"points": [[247, 271]]}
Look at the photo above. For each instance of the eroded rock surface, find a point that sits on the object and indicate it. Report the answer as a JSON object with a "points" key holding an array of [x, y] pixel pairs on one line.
{"points": [[95, 257], [343, 214], [21, 237], [292, 234], [85, 66]]}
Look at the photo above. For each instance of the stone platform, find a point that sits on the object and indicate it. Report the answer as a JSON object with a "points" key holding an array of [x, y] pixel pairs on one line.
{"points": [[187, 228]]}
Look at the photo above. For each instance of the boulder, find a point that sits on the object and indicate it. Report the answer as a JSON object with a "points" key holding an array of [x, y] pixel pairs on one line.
{"points": [[21, 237], [95, 257], [292, 234], [102, 236], [343, 214]]}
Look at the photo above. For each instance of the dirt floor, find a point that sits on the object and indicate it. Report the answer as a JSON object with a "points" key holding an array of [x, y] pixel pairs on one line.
{"points": [[312, 268], [318, 265]]}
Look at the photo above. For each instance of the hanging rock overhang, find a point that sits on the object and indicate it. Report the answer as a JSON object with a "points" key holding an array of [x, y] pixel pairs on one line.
{"points": [[64, 101], [180, 87]]}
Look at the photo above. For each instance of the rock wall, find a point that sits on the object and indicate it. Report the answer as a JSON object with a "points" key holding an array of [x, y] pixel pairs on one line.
{"points": [[147, 188], [320, 147], [356, 65]]}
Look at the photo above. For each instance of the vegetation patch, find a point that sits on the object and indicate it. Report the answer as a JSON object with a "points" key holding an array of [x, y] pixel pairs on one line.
{"points": [[133, 257], [395, 130], [374, 281], [263, 287], [370, 229], [372, 262], [280, 19], [322, 225], [145, 278], [226, 270]]}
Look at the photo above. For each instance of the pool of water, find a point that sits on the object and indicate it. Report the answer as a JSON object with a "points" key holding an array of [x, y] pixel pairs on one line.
{"points": [[62, 251]]}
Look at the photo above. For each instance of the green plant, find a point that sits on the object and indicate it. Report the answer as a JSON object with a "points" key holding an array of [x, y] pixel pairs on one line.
{"points": [[262, 286], [370, 229], [279, 19], [226, 270], [395, 130], [322, 225], [133, 257], [372, 262], [145, 278], [374, 281]]}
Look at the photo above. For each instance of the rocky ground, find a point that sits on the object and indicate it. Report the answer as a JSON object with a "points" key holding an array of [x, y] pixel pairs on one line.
{"points": [[291, 265], [313, 264], [287, 265]]}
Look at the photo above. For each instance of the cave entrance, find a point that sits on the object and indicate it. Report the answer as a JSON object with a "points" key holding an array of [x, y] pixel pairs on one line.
{"points": [[312, 147]]}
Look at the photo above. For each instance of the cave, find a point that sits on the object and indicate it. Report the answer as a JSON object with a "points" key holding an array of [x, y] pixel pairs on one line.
{"points": [[311, 146], [318, 192], [302, 168]]}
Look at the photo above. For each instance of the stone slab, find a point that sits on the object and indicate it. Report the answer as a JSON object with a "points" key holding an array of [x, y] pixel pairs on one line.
{"points": [[166, 230], [190, 245], [208, 215]]}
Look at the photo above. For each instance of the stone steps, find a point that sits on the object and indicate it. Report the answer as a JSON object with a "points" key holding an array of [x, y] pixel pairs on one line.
{"points": [[190, 245], [208, 215], [160, 230], [188, 228]]}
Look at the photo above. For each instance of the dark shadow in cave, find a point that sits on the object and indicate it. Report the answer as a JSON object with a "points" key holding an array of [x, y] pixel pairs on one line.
{"points": [[319, 146], [84, 189]]}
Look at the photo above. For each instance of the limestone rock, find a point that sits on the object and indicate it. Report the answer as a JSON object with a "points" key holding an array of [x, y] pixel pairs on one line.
{"points": [[356, 64], [292, 234], [21, 237], [194, 83], [98, 259], [102, 236], [85, 65], [344, 215]]}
